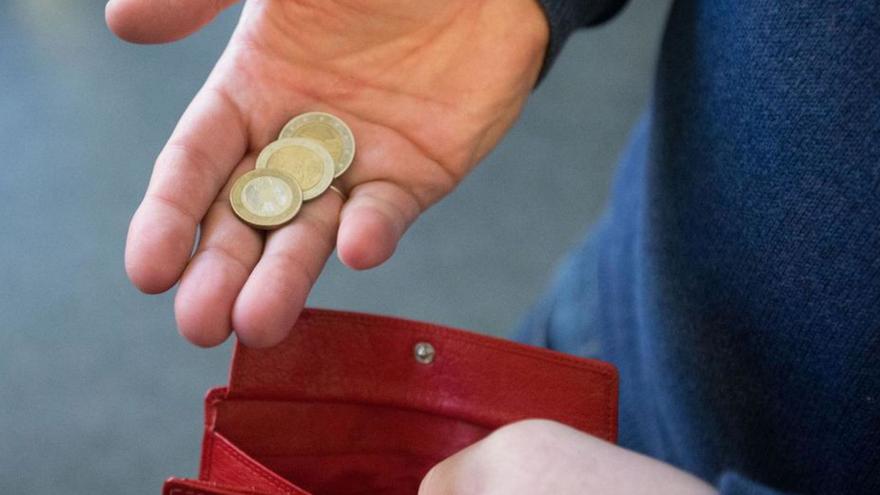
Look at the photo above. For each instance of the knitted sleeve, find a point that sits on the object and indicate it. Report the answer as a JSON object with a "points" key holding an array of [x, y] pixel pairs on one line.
{"points": [[565, 16]]}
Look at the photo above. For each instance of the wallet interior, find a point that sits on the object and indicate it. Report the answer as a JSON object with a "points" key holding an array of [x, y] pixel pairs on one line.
{"points": [[339, 448], [345, 406]]}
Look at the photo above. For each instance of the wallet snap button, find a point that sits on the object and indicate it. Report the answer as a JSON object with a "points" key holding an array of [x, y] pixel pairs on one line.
{"points": [[424, 352]]}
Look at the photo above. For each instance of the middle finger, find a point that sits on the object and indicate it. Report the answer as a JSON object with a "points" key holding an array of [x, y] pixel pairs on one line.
{"points": [[294, 256]]}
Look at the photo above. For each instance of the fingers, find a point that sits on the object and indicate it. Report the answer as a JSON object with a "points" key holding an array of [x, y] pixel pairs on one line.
{"points": [[512, 459], [209, 141], [294, 256], [543, 456], [373, 221], [228, 251], [390, 183], [151, 21], [462, 473]]}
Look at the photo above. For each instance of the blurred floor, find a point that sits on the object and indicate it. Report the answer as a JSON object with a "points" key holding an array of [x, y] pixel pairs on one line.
{"points": [[98, 394]]}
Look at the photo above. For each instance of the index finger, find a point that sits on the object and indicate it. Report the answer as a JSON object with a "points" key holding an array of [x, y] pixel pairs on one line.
{"points": [[209, 140]]}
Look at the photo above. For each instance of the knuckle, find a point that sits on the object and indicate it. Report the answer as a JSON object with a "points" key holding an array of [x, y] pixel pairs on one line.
{"points": [[466, 473], [318, 227], [180, 151], [523, 436], [534, 426], [458, 479], [297, 271], [430, 484], [512, 433]]}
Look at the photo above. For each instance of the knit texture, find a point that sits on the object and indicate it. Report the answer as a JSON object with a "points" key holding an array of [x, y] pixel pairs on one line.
{"points": [[735, 277]]}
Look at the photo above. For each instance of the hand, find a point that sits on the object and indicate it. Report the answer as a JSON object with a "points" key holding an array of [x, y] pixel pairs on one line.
{"points": [[428, 88], [540, 456]]}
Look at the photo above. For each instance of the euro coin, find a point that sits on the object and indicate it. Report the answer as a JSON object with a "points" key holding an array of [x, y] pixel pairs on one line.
{"points": [[303, 159], [330, 131], [265, 198]]}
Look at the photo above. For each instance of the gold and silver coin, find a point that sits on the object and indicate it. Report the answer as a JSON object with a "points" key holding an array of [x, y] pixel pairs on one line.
{"points": [[312, 150], [329, 130], [303, 159], [266, 198]]}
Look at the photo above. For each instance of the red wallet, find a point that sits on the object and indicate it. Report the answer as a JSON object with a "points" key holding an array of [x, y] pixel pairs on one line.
{"points": [[359, 404]]}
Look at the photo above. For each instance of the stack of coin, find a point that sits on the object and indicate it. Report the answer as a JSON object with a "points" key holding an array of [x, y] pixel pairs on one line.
{"points": [[312, 150]]}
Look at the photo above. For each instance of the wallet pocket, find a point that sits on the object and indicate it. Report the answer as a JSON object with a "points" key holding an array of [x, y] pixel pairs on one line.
{"points": [[356, 404], [343, 448]]}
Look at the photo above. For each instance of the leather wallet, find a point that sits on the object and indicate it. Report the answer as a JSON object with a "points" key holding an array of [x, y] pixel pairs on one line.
{"points": [[358, 404]]}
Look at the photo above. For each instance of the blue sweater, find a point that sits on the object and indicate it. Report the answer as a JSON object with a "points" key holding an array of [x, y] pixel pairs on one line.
{"points": [[735, 277]]}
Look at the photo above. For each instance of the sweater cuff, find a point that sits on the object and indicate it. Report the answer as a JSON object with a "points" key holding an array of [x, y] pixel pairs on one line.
{"points": [[564, 16]]}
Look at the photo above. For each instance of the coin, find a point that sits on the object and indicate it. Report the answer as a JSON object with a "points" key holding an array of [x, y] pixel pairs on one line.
{"points": [[265, 198], [330, 131], [303, 159]]}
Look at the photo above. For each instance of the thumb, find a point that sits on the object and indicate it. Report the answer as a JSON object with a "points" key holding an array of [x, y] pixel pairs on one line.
{"points": [[152, 21]]}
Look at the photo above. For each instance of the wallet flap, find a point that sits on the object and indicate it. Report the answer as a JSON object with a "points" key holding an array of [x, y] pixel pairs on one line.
{"points": [[352, 357]]}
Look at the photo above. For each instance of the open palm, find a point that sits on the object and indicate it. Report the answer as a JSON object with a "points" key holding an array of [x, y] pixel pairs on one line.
{"points": [[427, 87]]}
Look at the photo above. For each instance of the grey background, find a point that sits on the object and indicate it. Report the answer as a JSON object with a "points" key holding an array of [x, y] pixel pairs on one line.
{"points": [[98, 394]]}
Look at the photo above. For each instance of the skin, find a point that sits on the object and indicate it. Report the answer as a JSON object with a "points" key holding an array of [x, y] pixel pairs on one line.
{"points": [[541, 456], [428, 88]]}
